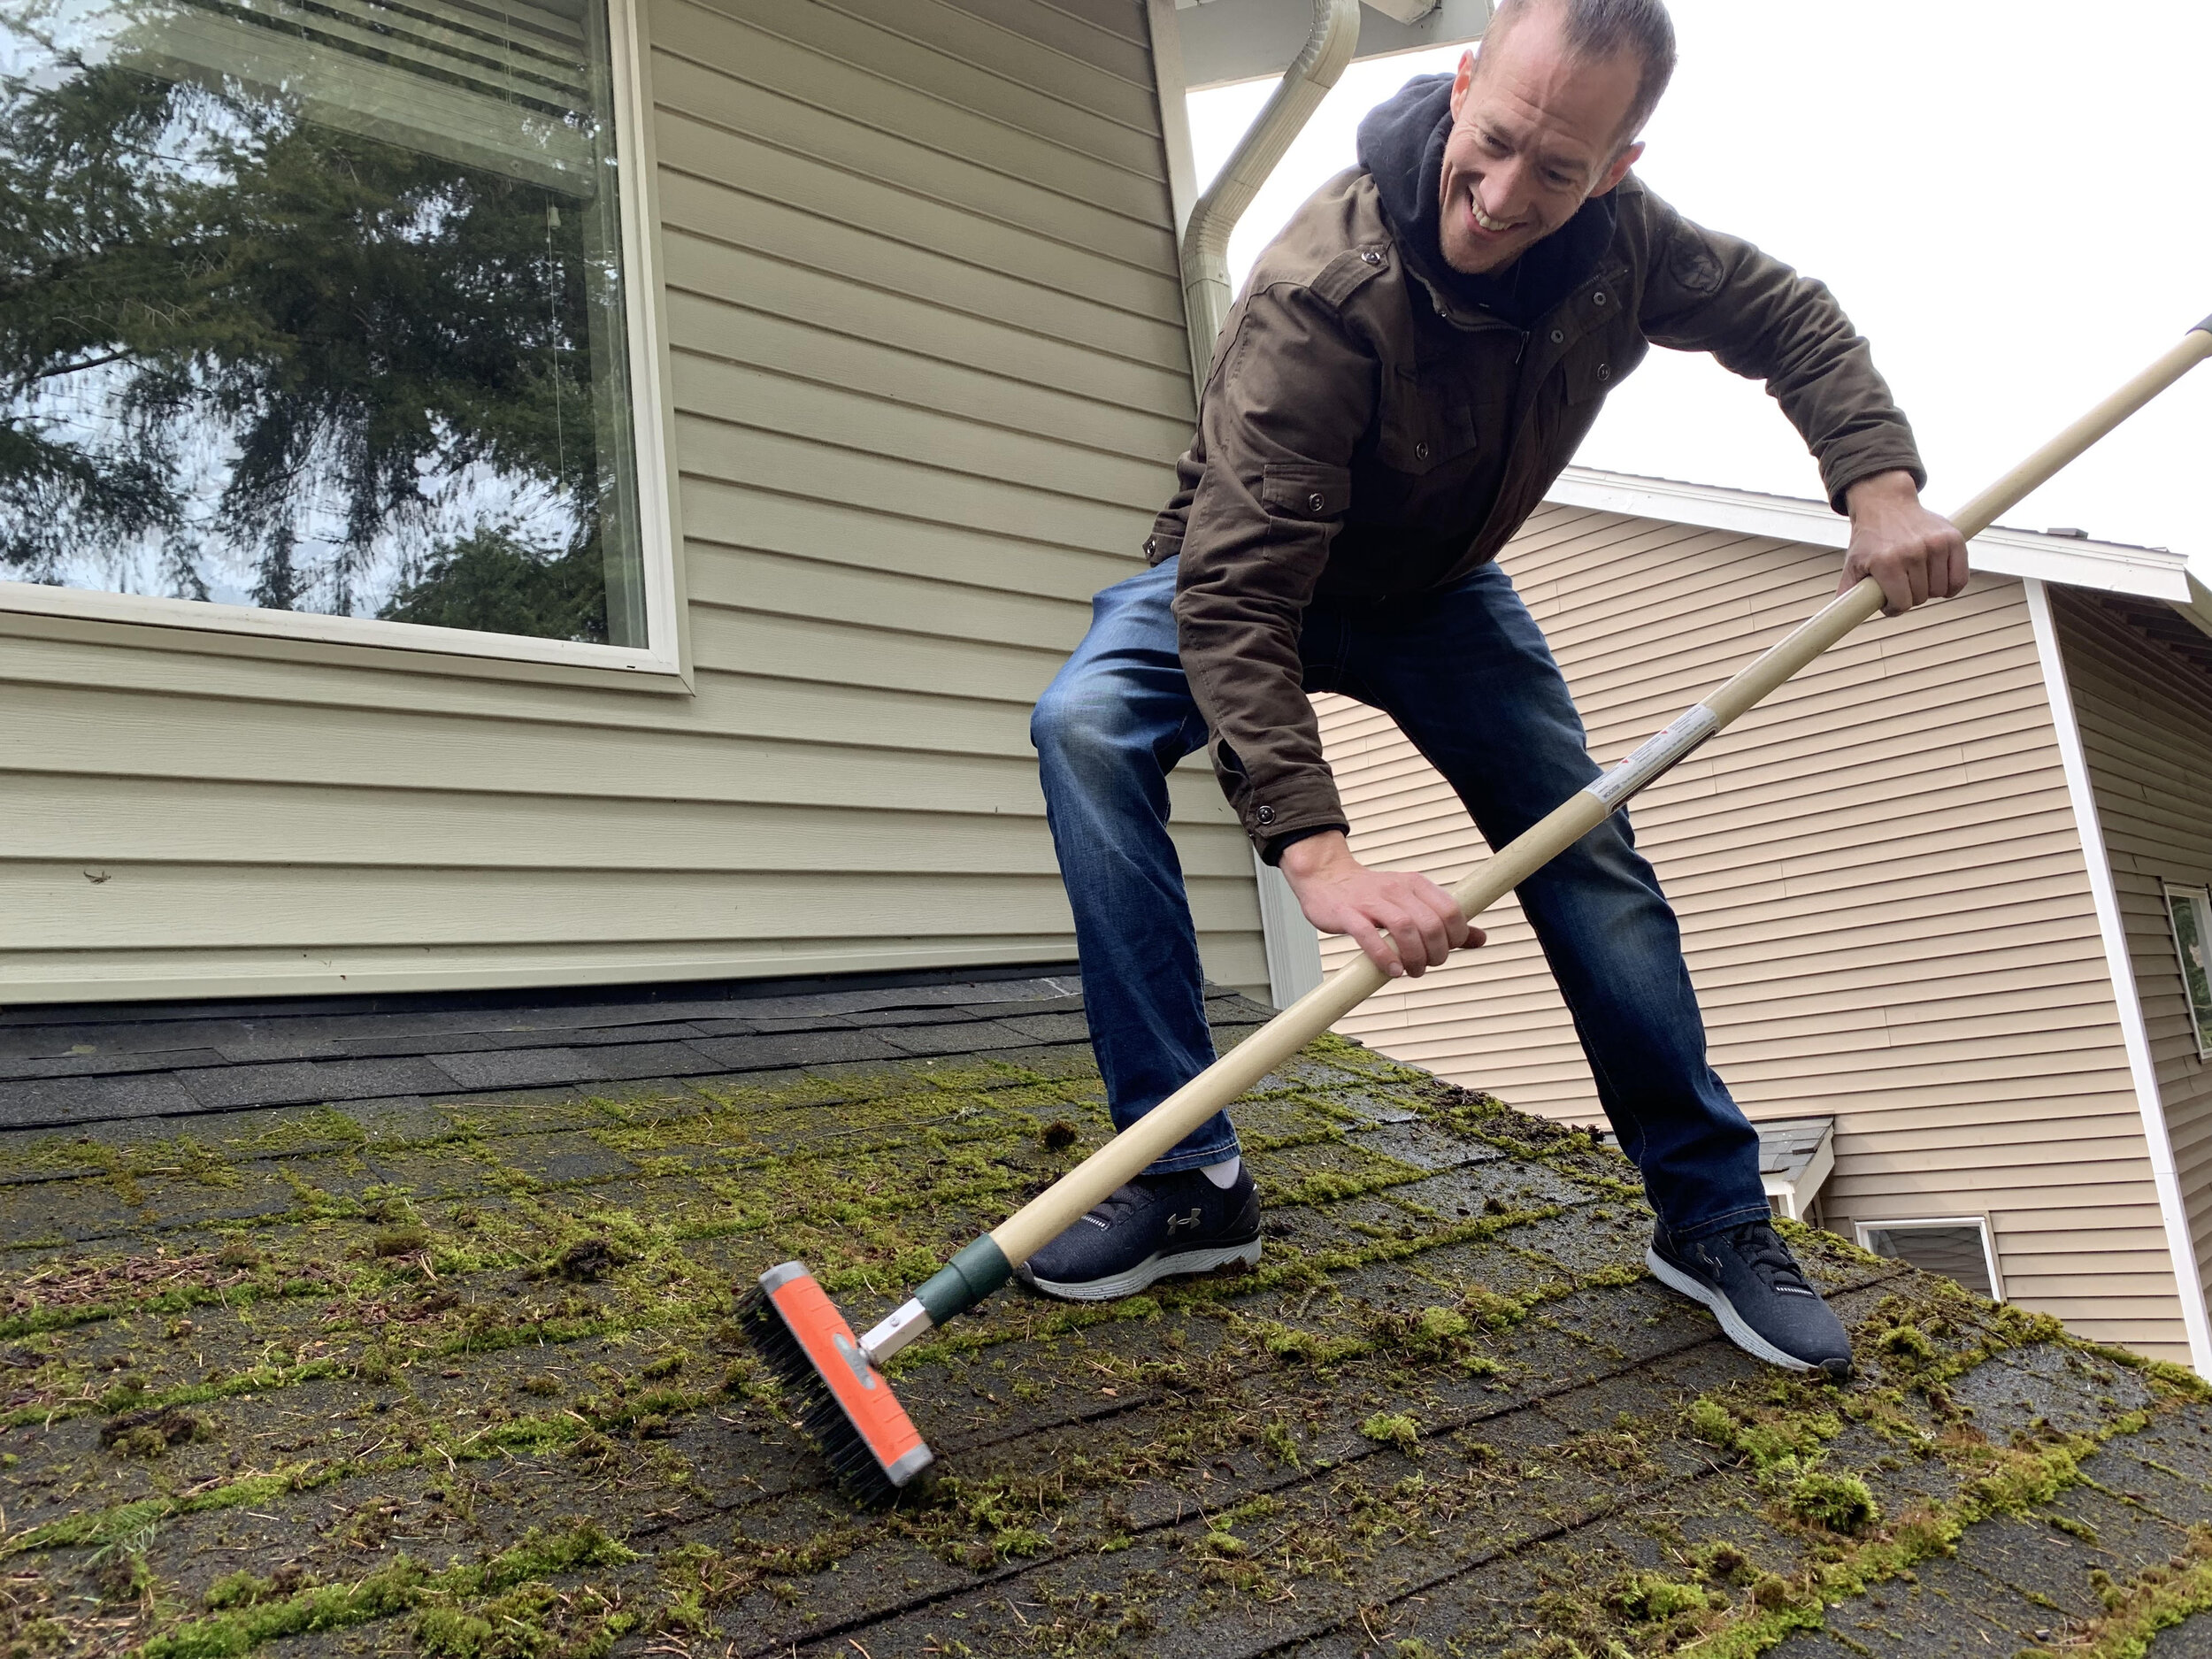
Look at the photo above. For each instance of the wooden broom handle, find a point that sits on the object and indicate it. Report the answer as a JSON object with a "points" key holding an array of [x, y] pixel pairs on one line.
{"points": [[1274, 1044]]}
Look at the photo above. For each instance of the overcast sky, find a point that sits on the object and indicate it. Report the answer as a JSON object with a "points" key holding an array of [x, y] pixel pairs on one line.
{"points": [[2008, 196]]}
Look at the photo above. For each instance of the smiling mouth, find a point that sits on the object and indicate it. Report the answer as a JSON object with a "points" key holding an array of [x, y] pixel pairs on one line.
{"points": [[1483, 220]]}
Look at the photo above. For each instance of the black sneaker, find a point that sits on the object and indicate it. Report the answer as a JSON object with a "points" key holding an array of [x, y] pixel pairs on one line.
{"points": [[1754, 1285], [1155, 1226]]}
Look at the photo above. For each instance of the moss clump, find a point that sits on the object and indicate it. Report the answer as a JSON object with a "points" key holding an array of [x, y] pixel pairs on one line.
{"points": [[151, 1433], [1393, 1428], [1841, 1503], [1429, 1333], [1649, 1596], [586, 1262], [399, 1242], [238, 1589]]}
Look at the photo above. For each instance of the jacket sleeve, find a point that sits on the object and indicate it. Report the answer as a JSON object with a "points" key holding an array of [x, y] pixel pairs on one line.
{"points": [[1708, 292], [1291, 395]]}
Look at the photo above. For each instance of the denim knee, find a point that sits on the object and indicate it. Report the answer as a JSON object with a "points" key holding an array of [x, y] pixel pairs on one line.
{"points": [[1083, 727]]}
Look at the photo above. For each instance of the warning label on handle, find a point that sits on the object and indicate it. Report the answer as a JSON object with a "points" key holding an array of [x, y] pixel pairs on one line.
{"points": [[1652, 756]]}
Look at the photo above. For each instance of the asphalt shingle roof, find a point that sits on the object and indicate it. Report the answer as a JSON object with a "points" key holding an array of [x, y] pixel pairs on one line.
{"points": [[448, 1367]]}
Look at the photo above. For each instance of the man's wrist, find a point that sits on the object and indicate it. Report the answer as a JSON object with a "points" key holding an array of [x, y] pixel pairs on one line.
{"points": [[1272, 851], [1309, 852], [1877, 490]]}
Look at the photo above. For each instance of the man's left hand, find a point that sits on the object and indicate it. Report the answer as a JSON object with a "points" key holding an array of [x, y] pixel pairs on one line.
{"points": [[1915, 553]]}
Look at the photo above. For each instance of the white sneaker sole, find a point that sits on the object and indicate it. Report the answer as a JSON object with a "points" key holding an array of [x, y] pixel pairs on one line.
{"points": [[1732, 1322], [1148, 1272]]}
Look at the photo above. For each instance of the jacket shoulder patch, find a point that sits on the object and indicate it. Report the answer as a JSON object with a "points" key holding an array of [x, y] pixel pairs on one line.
{"points": [[1349, 272], [1691, 263]]}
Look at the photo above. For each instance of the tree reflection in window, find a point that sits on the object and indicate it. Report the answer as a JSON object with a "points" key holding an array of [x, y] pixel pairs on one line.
{"points": [[316, 305]]}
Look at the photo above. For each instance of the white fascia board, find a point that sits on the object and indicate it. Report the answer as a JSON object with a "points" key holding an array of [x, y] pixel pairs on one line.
{"points": [[2066, 560], [1228, 40]]}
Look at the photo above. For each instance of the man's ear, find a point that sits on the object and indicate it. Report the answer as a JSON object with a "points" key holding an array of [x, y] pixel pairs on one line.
{"points": [[1462, 80], [1618, 171]]}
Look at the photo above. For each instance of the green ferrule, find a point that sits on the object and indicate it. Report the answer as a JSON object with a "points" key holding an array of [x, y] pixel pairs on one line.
{"points": [[975, 1270]]}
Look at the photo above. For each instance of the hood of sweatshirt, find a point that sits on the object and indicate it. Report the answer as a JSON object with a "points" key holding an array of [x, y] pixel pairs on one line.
{"points": [[1402, 146]]}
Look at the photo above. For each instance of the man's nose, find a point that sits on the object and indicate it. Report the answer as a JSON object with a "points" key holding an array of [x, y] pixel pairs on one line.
{"points": [[1503, 192]]}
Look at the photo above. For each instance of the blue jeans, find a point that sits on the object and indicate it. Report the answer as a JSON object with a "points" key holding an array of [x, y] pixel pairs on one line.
{"points": [[1467, 676]]}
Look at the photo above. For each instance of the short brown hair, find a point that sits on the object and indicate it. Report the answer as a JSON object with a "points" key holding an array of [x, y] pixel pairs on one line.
{"points": [[1606, 29]]}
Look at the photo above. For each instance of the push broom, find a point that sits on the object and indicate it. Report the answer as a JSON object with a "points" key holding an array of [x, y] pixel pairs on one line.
{"points": [[846, 1406]]}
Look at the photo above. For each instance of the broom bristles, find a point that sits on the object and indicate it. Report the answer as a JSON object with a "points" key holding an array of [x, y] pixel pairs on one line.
{"points": [[820, 1415]]}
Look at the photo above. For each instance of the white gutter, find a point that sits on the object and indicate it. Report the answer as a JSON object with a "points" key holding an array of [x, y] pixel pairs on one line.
{"points": [[1293, 950], [2070, 561], [2134, 1034]]}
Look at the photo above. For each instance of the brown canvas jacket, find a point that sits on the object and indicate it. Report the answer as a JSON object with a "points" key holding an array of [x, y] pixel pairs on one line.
{"points": [[1363, 436]]}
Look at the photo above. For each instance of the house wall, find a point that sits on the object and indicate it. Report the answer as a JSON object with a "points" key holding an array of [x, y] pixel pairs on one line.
{"points": [[1884, 902], [929, 375], [2145, 720]]}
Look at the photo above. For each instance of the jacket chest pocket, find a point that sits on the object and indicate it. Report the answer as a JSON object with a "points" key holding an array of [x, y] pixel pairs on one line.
{"points": [[1596, 366], [1429, 419]]}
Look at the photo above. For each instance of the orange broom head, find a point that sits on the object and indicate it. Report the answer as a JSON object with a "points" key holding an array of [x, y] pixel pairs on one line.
{"points": [[845, 1406]]}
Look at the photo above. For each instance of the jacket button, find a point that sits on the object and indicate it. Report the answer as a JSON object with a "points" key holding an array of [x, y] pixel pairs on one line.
{"points": [[1371, 256], [1316, 503], [1440, 309], [1150, 543], [1556, 336], [1266, 814], [1597, 298], [1420, 451], [1605, 371]]}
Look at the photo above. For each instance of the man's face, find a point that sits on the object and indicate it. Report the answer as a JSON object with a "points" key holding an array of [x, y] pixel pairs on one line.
{"points": [[1534, 130]]}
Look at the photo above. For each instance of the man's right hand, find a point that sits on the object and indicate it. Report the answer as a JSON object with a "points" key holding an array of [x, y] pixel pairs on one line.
{"points": [[1403, 921]]}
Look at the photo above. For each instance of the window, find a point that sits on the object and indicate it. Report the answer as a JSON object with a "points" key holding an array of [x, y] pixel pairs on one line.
{"points": [[320, 307], [1958, 1247], [2190, 909]]}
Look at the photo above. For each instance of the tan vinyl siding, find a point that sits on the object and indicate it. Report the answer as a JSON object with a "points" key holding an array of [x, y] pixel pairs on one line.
{"points": [[1883, 896], [927, 362], [2146, 718]]}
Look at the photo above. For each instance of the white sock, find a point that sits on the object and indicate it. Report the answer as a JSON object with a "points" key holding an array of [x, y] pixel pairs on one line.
{"points": [[1224, 1174]]}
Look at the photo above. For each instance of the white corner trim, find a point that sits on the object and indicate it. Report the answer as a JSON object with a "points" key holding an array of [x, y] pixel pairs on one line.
{"points": [[2135, 1036], [1168, 83], [2066, 560], [1293, 950]]}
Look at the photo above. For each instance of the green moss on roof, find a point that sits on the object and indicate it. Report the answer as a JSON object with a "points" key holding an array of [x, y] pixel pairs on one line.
{"points": [[463, 1381]]}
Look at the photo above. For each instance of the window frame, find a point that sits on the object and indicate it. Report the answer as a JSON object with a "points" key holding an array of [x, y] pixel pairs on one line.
{"points": [[1980, 1224], [2201, 895], [361, 640]]}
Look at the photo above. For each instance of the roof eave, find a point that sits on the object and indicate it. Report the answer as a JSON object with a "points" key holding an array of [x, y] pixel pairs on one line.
{"points": [[2070, 561]]}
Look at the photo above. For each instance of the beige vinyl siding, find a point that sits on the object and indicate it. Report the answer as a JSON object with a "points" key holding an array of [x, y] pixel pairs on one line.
{"points": [[927, 362], [1882, 897], [2145, 720]]}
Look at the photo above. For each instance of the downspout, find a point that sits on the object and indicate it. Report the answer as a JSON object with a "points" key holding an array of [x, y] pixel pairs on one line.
{"points": [[1294, 950], [1206, 293]]}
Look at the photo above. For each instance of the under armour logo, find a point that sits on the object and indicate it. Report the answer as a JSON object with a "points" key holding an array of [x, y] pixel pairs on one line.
{"points": [[1176, 1224]]}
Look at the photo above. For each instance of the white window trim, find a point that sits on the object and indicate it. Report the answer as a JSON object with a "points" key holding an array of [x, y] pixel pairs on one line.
{"points": [[2169, 891], [662, 658], [1980, 1224]]}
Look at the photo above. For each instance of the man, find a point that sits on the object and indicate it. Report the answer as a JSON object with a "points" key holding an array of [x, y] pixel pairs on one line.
{"points": [[1412, 363]]}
